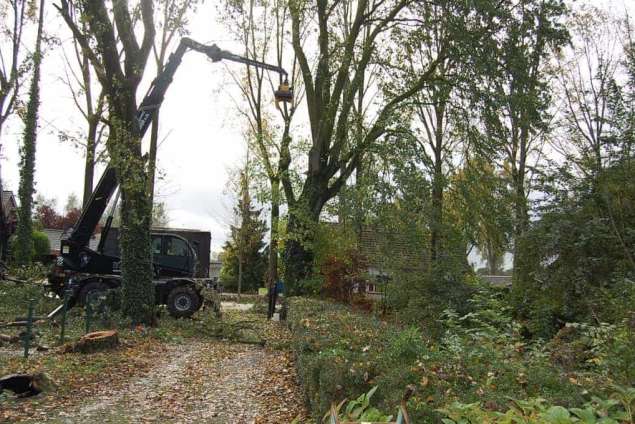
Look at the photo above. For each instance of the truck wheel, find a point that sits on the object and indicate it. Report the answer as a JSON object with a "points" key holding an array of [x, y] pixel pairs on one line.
{"points": [[90, 290], [183, 301]]}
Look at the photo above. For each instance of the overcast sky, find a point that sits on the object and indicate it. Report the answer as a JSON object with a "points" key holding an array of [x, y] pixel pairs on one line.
{"points": [[202, 135]]}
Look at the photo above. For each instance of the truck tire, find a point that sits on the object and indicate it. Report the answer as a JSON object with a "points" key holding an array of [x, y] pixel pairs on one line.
{"points": [[90, 289], [183, 301]]}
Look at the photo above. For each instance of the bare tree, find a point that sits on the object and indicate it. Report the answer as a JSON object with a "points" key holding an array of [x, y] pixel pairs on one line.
{"points": [[585, 75], [261, 28], [12, 60], [171, 19], [90, 100]]}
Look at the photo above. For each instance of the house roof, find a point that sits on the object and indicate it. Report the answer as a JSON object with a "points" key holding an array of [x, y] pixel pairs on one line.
{"points": [[9, 205], [386, 249], [172, 229], [8, 199], [55, 237]]}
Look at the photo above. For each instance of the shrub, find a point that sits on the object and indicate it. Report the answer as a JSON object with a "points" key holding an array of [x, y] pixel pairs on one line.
{"points": [[478, 358], [342, 274], [41, 247]]}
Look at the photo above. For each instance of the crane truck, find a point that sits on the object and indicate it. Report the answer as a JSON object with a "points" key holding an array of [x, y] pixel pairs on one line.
{"points": [[81, 271]]}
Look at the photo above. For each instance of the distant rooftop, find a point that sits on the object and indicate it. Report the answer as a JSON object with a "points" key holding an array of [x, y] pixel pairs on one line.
{"points": [[55, 237], [169, 229], [8, 200], [189, 230]]}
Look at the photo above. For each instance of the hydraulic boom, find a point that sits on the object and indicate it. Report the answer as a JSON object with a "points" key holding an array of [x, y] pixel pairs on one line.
{"points": [[74, 248]]}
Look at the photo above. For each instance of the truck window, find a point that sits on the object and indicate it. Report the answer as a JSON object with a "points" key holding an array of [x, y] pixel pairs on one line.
{"points": [[156, 245], [176, 247]]}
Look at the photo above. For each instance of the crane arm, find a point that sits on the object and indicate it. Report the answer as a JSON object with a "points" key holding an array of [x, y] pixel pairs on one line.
{"points": [[94, 209]]}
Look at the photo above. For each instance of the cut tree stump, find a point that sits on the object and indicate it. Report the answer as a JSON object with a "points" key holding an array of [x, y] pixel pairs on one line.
{"points": [[94, 342], [24, 385]]}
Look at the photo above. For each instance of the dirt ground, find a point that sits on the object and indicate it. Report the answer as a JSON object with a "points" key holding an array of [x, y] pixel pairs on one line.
{"points": [[185, 380], [200, 382]]}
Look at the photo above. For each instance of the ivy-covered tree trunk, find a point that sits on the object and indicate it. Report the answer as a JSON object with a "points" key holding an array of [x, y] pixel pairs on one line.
{"points": [[438, 186], [109, 30], [304, 215], [136, 213], [24, 245]]}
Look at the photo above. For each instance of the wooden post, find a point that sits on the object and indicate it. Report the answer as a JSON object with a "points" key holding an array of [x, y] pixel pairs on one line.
{"points": [[88, 313], [29, 328], [67, 295]]}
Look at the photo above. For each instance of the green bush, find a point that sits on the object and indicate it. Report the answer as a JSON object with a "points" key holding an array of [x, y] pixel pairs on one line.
{"points": [[577, 257], [41, 247], [619, 408], [479, 358]]}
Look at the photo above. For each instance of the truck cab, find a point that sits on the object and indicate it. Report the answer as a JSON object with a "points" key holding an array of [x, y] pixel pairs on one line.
{"points": [[173, 256]]}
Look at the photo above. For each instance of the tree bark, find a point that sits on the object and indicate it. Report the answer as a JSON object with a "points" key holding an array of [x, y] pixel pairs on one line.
{"points": [[112, 29], [240, 274], [272, 271], [136, 211], [89, 166], [521, 216], [331, 88], [152, 155], [304, 216]]}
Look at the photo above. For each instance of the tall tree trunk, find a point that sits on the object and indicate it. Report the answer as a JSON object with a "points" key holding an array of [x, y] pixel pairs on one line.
{"points": [[27, 162], [438, 183], [521, 218], [272, 272], [93, 115], [152, 155], [240, 274], [492, 258], [358, 214], [522, 264], [437, 213], [115, 42], [272, 262], [136, 255], [89, 166], [304, 215]]}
